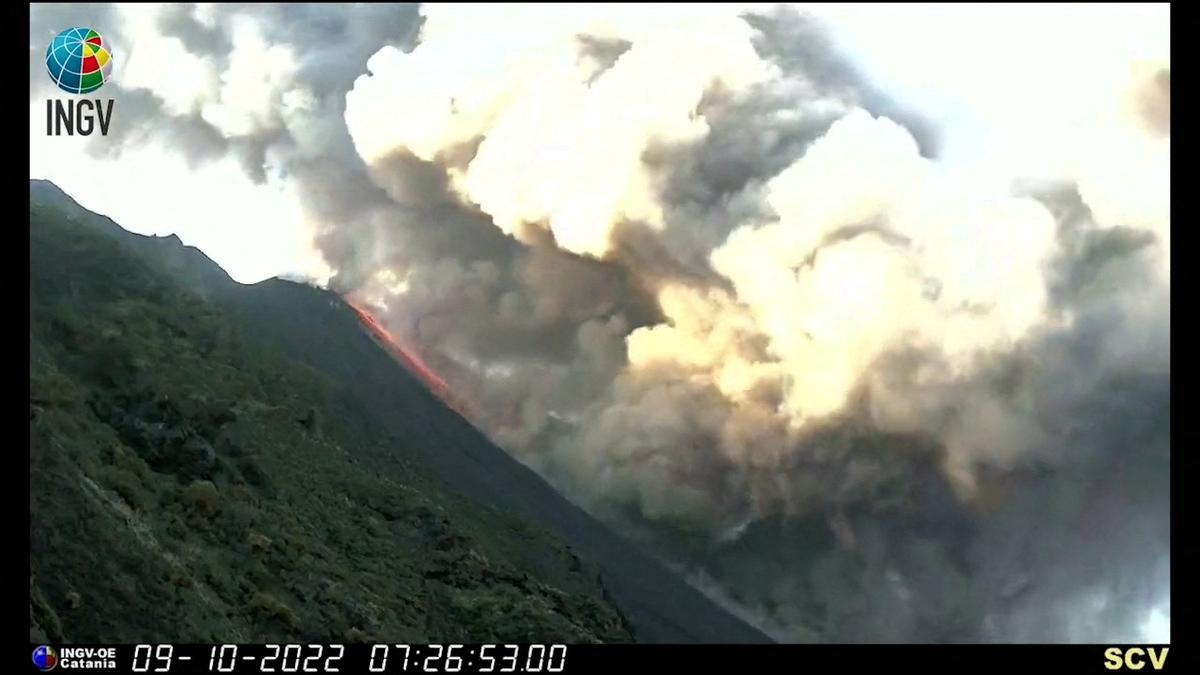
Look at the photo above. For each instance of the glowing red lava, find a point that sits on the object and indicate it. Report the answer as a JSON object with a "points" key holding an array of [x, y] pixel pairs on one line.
{"points": [[408, 358]]}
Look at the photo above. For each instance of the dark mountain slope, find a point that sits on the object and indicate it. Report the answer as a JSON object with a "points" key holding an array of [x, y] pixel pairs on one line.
{"points": [[368, 389], [187, 483]]}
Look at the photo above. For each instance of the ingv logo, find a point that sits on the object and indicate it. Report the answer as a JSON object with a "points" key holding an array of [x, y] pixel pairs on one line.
{"points": [[1135, 658], [79, 61]]}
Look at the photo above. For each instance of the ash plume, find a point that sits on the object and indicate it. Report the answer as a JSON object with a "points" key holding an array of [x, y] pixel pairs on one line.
{"points": [[713, 283]]}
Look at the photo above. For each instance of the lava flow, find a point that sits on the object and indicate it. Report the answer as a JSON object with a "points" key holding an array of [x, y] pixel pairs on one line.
{"points": [[408, 358]]}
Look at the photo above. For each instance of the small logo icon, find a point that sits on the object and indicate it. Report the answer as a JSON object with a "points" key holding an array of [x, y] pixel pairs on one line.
{"points": [[45, 658], [79, 60]]}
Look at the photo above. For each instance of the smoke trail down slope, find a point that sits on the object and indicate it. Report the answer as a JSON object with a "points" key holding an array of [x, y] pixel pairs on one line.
{"points": [[855, 283]]}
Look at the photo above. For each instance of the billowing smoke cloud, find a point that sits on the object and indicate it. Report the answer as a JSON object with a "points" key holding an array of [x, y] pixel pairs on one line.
{"points": [[708, 279]]}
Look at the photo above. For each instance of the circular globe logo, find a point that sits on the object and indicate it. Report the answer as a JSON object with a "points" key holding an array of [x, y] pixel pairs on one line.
{"points": [[45, 658], [79, 60]]}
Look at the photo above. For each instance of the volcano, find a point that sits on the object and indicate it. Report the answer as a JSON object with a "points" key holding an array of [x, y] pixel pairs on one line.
{"points": [[388, 420]]}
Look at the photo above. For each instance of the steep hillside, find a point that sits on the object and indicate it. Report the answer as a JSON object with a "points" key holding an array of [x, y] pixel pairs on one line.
{"points": [[258, 465], [186, 483]]}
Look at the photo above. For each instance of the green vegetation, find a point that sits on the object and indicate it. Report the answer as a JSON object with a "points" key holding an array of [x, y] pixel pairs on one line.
{"points": [[187, 483]]}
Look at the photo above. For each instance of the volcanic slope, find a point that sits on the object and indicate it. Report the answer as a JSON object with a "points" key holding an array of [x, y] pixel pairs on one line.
{"points": [[218, 461]]}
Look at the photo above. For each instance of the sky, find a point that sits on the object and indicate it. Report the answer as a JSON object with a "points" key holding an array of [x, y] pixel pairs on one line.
{"points": [[944, 60], [725, 276]]}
